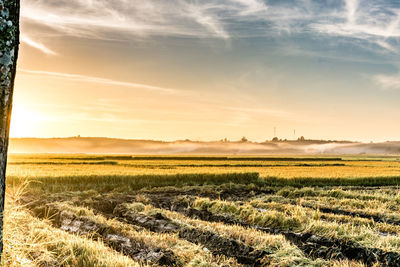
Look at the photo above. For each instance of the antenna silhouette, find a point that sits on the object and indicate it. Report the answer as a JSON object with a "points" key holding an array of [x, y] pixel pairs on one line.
{"points": [[274, 131]]}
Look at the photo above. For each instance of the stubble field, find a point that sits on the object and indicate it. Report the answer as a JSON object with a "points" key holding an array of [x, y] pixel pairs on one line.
{"points": [[102, 210]]}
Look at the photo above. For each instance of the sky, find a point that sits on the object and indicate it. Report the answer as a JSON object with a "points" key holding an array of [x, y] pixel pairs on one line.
{"points": [[209, 69]]}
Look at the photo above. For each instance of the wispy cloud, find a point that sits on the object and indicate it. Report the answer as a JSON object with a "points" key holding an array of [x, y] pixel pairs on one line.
{"points": [[211, 23], [371, 21], [352, 6], [374, 22], [388, 82], [90, 79], [27, 40], [96, 18], [252, 6]]}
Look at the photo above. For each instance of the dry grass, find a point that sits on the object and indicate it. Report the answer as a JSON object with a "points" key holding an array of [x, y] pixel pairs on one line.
{"points": [[51, 165], [29, 241]]}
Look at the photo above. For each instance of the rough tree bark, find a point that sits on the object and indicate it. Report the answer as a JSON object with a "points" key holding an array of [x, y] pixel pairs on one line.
{"points": [[9, 42]]}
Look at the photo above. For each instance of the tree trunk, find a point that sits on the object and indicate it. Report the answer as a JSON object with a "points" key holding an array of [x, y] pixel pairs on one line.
{"points": [[9, 42]]}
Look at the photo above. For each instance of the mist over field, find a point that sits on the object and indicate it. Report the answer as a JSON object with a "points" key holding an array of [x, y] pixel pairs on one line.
{"points": [[130, 146]]}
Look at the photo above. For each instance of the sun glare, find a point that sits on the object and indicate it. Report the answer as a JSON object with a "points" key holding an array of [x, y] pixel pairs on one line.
{"points": [[22, 122]]}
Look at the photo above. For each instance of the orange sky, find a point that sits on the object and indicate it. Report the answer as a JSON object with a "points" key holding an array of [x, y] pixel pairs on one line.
{"points": [[206, 71]]}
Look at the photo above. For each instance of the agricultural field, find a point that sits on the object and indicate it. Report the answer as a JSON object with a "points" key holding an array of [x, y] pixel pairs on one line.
{"points": [[114, 210]]}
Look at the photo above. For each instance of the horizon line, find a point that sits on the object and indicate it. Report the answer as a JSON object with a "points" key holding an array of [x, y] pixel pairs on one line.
{"points": [[206, 141]]}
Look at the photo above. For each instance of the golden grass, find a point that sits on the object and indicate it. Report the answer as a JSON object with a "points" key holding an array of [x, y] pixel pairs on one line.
{"points": [[57, 165], [29, 241], [185, 250], [284, 254], [286, 216]]}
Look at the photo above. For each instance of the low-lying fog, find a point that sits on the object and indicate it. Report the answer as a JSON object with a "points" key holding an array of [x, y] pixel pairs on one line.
{"points": [[121, 146]]}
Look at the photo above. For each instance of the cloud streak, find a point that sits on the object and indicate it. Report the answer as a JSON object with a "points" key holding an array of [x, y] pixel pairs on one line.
{"points": [[352, 6], [27, 40], [96, 18], [211, 23], [388, 82], [252, 7], [90, 79], [374, 22]]}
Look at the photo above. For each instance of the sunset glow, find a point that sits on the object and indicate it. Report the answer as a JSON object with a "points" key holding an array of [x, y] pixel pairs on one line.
{"points": [[207, 70]]}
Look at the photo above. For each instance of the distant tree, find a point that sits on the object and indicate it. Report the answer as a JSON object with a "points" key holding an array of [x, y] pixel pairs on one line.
{"points": [[301, 138], [9, 42], [244, 139], [275, 139]]}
